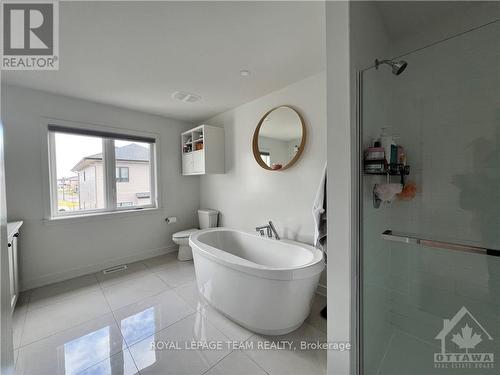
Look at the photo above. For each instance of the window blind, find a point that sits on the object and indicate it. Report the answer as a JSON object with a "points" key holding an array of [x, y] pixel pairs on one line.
{"points": [[99, 133]]}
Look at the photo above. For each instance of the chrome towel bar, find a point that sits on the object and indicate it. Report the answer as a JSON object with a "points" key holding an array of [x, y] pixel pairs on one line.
{"points": [[390, 236]]}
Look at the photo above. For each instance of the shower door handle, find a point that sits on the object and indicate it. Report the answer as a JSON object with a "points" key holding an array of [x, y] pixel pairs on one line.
{"points": [[390, 236]]}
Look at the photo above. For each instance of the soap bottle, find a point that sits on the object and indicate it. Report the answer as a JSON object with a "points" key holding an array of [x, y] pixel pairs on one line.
{"points": [[386, 141]]}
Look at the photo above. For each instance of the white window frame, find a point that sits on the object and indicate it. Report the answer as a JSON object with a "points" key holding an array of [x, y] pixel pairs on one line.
{"points": [[109, 170]]}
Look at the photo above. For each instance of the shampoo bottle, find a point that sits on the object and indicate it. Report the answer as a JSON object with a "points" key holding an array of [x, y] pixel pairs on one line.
{"points": [[386, 141]]}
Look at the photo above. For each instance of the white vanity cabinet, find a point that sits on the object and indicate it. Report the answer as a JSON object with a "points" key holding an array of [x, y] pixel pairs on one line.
{"points": [[202, 150], [13, 251]]}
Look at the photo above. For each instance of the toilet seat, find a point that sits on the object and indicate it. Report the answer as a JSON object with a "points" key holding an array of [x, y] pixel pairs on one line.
{"points": [[185, 233]]}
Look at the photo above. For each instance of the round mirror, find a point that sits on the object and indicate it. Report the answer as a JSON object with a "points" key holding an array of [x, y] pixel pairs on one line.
{"points": [[279, 138]]}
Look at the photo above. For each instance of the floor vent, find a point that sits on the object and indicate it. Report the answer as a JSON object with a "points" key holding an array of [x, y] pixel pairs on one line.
{"points": [[122, 267]]}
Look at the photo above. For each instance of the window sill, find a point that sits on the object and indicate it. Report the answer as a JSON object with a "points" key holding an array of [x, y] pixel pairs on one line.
{"points": [[101, 215]]}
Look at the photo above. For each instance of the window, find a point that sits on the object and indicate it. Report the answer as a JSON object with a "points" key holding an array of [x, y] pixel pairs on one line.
{"points": [[95, 171], [121, 174], [266, 157], [134, 166]]}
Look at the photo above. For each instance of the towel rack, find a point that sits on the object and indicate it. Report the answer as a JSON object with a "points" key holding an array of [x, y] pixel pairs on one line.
{"points": [[390, 236]]}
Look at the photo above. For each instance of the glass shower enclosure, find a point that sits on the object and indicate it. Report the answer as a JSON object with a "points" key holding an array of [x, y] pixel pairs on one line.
{"points": [[430, 210]]}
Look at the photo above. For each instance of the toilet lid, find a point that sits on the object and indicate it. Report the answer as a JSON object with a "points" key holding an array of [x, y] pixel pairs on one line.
{"points": [[185, 233]]}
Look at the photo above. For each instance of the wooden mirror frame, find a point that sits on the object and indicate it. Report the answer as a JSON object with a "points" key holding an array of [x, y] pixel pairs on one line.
{"points": [[255, 141]]}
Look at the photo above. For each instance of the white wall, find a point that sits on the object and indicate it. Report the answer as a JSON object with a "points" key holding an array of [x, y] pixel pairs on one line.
{"points": [[6, 345], [60, 250], [339, 184], [248, 195]]}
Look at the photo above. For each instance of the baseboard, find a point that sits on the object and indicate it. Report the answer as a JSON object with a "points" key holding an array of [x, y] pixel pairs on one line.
{"points": [[321, 290], [76, 272]]}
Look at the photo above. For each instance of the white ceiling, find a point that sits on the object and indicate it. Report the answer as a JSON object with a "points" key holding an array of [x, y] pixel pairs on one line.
{"points": [[136, 54]]}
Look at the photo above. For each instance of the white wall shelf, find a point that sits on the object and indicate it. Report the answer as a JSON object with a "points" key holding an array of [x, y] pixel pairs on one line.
{"points": [[202, 150]]}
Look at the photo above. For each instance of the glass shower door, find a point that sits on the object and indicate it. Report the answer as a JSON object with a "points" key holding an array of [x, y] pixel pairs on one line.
{"points": [[431, 288]]}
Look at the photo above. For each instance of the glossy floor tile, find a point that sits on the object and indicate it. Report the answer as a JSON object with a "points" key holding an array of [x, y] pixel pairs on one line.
{"points": [[161, 260], [44, 321], [133, 290], [290, 360], [229, 328], [186, 359], [133, 270], [315, 319], [106, 324], [233, 331], [19, 319], [189, 292], [236, 363], [16, 355], [119, 364], [176, 274], [142, 319], [172, 271], [73, 350], [53, 293]]}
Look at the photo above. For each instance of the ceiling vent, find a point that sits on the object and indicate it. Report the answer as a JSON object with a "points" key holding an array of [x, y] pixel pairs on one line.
{"points": [[185, 97]]}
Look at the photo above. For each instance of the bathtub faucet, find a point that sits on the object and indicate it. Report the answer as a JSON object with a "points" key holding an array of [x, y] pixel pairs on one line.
{"points": [[270, 230]]}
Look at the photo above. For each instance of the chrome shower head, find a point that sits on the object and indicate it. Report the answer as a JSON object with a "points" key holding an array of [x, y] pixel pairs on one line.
{"points": [[397, 66]]}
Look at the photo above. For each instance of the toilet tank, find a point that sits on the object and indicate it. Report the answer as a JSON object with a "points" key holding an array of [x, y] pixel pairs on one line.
{"points": [[207, 218]]}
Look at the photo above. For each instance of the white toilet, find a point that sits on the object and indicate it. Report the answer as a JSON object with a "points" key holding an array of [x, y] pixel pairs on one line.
{"points": [[206, 219]]}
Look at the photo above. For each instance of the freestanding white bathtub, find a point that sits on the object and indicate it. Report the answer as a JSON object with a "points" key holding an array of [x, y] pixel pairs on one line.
{"points": [[263, 284]]}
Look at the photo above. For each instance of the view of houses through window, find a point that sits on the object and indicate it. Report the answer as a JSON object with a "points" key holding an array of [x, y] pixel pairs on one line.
{"points": [[81, 175], [133, 177], [80, 185]]}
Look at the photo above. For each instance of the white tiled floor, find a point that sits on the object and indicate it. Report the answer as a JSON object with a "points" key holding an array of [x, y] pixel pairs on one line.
{"points": [[105, 324]]}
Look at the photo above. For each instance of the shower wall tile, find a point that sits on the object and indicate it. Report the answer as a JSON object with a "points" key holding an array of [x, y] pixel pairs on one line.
{"points": [[408, 355], [422, 326], [447, 116]]}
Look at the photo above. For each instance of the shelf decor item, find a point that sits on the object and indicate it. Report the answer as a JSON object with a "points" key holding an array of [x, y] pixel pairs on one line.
{"points": [[375, 153], [386, 158]]}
